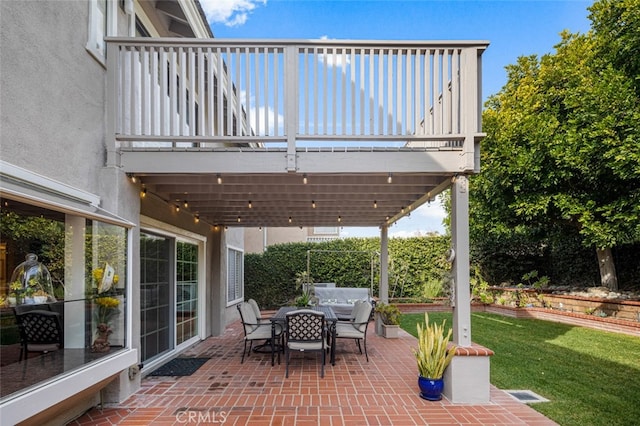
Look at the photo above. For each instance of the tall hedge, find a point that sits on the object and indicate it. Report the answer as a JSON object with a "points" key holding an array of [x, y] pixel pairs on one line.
{"points": [[417, 267]]}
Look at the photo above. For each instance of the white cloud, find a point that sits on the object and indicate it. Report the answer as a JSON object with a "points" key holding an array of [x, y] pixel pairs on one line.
{"points": [[422, 222], [255, 113], [334, 60], [434, 209], [229, 12]]}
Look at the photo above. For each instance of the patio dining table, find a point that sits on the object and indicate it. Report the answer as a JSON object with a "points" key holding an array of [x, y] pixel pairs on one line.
{"points": [[280, 318]]}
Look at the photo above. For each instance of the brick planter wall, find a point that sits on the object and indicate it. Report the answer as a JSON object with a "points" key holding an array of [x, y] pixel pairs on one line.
{"points": [[612, 324]]}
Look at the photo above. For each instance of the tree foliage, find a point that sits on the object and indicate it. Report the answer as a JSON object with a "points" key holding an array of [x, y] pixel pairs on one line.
{"points": [[562, 153], [617, 25]]}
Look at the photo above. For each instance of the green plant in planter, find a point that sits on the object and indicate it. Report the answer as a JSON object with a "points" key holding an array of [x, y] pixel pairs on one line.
{"points": [[433, 353], [389, 314], [304, 282], [303, 300]]}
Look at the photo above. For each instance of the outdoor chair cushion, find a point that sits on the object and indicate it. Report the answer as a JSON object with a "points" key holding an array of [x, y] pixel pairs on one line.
{"points": [[257, 312], [250, 322]]}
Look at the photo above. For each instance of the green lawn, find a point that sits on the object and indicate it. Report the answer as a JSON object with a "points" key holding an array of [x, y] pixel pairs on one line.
{"points": [[591, 377]]}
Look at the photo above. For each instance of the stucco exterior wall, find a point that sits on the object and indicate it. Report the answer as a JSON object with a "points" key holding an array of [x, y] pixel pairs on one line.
{"points": [[52, 104], [52, 115], [257, 239]]}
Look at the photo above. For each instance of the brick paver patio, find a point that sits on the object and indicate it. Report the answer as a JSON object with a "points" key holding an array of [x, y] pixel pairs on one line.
{"points": [[383, 391]]}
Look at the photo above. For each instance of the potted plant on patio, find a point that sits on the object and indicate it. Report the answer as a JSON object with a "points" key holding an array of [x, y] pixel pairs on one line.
{"points": [[434, 354], [388, 317]]}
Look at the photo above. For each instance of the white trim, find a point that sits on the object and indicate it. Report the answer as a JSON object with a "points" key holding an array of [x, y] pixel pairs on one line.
{"points": [[129, 293], [226, 287], [155, 226], [92, 32], [28, 404], [165, 229], [111, 10], [142, 16], [24, 175], [194, 18]]}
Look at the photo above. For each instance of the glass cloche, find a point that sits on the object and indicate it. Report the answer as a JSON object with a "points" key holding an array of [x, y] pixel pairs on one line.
{"points": [[31, 281]]}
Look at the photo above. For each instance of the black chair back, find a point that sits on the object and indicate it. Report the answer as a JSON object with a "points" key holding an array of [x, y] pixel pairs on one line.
{"points": [[40, 331]]}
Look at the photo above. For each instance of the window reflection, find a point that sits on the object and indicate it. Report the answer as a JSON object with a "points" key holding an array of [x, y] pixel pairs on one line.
{"points": [[84, 292]]}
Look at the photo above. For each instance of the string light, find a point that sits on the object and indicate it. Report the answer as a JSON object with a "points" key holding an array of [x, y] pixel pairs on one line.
{"points": [[177, 208], [313, 204], [304, 179], [219, 179], [196, 218], [339, 219], [389, 178], [186, 204], [375, 204], [290, 219], [144, 192], [239, 219], [250, 205]]}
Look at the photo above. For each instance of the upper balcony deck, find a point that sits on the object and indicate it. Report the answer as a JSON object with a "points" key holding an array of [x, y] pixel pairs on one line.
{"points": [[187, 114], [293, 95]]}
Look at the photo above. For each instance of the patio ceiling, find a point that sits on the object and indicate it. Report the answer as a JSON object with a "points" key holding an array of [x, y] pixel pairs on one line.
{"points": [[284, 199]]}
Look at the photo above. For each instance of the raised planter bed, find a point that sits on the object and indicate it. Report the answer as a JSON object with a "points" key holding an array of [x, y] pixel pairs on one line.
{"points": [[619, 309], [612, 324]]}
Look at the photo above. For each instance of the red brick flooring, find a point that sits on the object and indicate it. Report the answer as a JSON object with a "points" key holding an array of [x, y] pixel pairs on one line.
{"points": [[382, 391]]}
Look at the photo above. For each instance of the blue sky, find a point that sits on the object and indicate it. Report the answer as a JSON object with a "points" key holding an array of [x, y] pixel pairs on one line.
{"points": [[513, 28]]}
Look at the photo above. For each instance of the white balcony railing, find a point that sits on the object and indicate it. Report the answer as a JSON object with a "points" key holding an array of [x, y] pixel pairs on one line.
{"points": [[200, 93]]}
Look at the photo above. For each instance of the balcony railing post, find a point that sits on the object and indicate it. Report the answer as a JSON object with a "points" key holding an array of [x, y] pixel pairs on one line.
{"points": [[112, 98], [291, 104], [470, 100]]}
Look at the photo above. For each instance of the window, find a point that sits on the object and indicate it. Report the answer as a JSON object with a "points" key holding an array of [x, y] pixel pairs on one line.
{"points": [[186, 291], [102, 23], [235, 276], [84, 286], [141, 30], [97, 28], [326, 230]]}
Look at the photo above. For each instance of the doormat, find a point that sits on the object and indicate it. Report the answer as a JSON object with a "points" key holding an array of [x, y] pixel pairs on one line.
{"points": [[526, 396], [179, 367]]}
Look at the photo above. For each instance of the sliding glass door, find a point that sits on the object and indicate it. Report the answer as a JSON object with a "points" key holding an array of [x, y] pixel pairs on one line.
{"points": [[156, 313], [169, 293]]}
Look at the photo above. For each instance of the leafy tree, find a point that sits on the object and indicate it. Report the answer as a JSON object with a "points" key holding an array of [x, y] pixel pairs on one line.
{"points": [[563, 151], [617, 25]]}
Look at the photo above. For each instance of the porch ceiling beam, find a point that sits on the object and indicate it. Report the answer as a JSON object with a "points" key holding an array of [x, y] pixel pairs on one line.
{"points": [[230, 180], [292, 190], [262, 200]]}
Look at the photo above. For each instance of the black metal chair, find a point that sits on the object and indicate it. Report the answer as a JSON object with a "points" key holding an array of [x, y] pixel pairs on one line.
{"points": [[40, 331], [305, 332]]}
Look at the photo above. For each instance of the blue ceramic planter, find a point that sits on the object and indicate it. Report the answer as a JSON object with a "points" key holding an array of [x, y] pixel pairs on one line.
{"points": [[430, 389]]}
